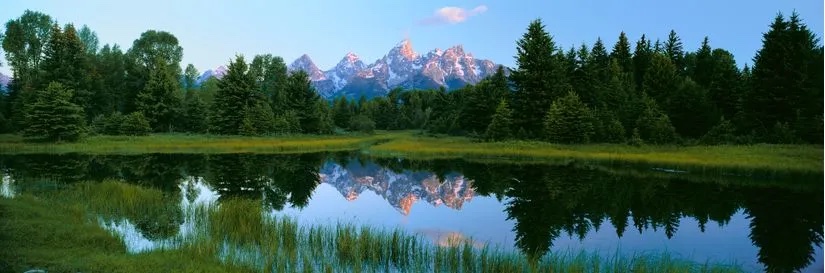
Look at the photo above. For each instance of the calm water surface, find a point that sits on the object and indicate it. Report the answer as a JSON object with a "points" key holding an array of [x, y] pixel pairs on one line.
{"points": [[761, 222]]}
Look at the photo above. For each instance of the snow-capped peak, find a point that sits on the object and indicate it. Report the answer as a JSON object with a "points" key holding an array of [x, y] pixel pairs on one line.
{"points": [[405, 49], [351, 57], [305, 63]]}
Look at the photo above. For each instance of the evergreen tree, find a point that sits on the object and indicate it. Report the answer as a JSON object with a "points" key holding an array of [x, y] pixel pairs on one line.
{"points": [[675, 52], [235, 99], [65, 61], [621, 53], [53, 117], [160, 100], [109, 97], [341, 112], [569, 121], [641, 62], [726, 83], [194, 113], [302, 99], [539, 78], [135, 124], [481, 101], [653, 124], [501, 123], [702, 70], [190, 76], [786, 85], [723, 133]]}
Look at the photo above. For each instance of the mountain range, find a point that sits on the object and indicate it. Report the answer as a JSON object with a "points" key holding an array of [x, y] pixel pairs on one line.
{"points": [[401, 67]]}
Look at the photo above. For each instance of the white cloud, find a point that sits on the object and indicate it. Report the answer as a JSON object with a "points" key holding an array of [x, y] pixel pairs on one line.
{"points": [[452, 15]]}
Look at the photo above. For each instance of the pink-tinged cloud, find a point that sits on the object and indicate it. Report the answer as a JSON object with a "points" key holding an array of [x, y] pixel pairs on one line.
{"points": [[452, 15]]}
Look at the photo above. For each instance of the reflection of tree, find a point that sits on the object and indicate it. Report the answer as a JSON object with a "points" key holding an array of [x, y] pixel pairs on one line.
{"points": [[783, 226], [276, 178], [545, 201], [47, 168]]}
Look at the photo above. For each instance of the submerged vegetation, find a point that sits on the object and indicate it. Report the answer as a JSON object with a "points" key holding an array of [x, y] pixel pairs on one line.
{"points": [[239, 235]]}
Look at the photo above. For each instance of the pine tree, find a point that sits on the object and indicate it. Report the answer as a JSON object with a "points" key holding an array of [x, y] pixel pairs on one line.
{"points": [[53, 117], [341, 112], [675, 52], [621, 53], [539, 78], [786, 85], [160, 101], [653, 124], [569, 121], [726, 83], [641, 62], [703, 69], [194, 113], [501, 123], [190, 76], [231, 101], [135, 124], [302, 99]]}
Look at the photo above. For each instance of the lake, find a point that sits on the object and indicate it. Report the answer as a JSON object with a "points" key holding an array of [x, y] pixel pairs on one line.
{"points": [[763, 222]]}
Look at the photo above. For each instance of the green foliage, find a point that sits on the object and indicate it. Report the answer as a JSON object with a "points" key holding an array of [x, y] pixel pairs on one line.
{"points": [[607, 127], [539, 78], [654, 125], [53, 117], [160, 101], [569, 121], [782, 133], [239, 107], [636, 138], [786, 85], [674, 51], [362, 123], [113, 124], [621, 53], [190, 75], [195, 116], [722, 133], [135, 124], [341, 112], [501, 124]]}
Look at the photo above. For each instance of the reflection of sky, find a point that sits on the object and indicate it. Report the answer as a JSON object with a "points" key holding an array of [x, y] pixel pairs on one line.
{"points": [[483, 219]]}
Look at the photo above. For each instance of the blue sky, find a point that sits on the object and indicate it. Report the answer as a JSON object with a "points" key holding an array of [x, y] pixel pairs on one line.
{"points": [[212, 32]]}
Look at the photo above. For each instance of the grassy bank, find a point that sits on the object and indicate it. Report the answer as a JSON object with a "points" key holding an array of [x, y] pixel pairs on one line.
{"points": [[208, 144], [762, 157], [781, 158], [58, 232]]}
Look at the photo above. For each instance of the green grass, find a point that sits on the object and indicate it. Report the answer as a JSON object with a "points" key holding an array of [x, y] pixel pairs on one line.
{"points": [[204, 144], [780, 158], [58, 232], [763, 157]]}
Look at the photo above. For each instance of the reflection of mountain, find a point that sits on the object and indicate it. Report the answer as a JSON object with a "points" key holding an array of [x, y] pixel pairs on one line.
{"points": [[401, 190]]}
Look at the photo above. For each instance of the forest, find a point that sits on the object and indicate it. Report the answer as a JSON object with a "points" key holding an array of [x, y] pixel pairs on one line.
{"points": [[65, 86]]}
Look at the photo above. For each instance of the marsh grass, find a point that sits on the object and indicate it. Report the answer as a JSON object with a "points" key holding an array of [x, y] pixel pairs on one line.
{"points": [[765, 157], [204, 144], [238, 236]]}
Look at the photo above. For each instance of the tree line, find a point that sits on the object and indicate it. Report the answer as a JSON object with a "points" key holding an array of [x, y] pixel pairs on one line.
{"points": [[65, 86], [656, 92]]}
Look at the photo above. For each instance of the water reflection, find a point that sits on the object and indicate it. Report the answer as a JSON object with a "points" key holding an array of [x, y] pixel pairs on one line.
{"points": [[543, 202]]}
